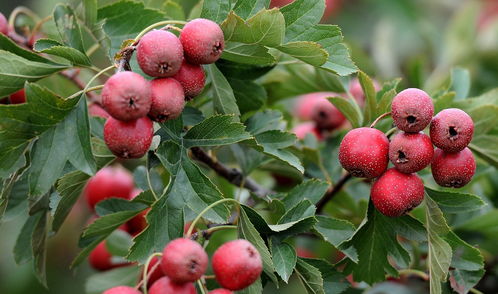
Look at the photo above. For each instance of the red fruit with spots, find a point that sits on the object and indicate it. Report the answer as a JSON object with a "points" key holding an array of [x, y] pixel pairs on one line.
{"points": [[326, 115], [411, 152], [412, 110], [101, 259], [96, 110], [165, 286], [168, 99], [237, 264], [129, 139], [303, 129], [220, 291], [138, 223], [203, 41], [184, 260], [160, 54], [452, 130], [357, 91], [126, 96], [18, 97], [156, 274], [4, 25], [396, 193], [453, 169], [304, 105], [364, 152], [122, 290], [108, 182], [192, 78]]}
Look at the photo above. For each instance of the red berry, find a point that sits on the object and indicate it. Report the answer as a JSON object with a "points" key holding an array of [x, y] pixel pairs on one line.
{"points": [[101, 259], [412, 110], [220, 291], [156, 274], [305, 103], [108, 182], [453, 169], [192, 78], [305, 253], [302, 129], [364, 152], [165, 286], [129, 139], [326, 115], [168, 99], [396, 193], [126, 96], [18, 97], [160, 53], [411, 152], [184, 260], [357, 91], [138, 223], [122, 290], [202, 40], [237, 264], [96, 110], [452, 130], [4, 25]]}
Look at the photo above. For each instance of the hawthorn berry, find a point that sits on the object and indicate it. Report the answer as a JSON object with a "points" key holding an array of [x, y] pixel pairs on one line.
{"points": [[303, 129], [237, 264], [122, 290], [160, 54], [4, 25], [95, 109], [410, 152], [108, 182], [326, 115], [451, 130], [168, 99], [126, 96], [396, 193], [18, 97], [412, 110], [101, 259], [220, 291], [184, 260], [192, 78], [129, 139], [454, 169], [305, 103], [166, 286], [364, 152], [202, 40], [304, 253]]}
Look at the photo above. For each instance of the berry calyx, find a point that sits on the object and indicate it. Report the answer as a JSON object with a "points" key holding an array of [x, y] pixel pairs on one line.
{"points": [[18, 97], [454, 169], [168, 99], [396, 193], [192, 78], [410, 152], [101, 259], [237, 264], [122, 290], [4, 25], [451, 130], [303, 129], [108, 182], [184, 260], [203, 41], [220, 291], [165, 286], [95, 109], [364, 152], [126, 96], [129, 139], [326, 115], [160, 54], [305, 103], [412, 110]]}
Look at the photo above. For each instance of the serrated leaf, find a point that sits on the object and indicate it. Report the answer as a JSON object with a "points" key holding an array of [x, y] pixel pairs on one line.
{"points": [[301, 210], [309, 52], [350, 109], [486, 224], [254, 288], [310, 277], [482, 146], [250, 96], [247, 53], [68, 27], [57, 49], [263, 121], [173, 10], [300, 15], [334, 282], [284, 258], [90, 9], [215, 131], [215, 10], [462, 281], [247, 8], [452, 202], [312, 189], [123, 276], [335, 231], [370, 97], [118, 243], [223, 98], [247, 158]]}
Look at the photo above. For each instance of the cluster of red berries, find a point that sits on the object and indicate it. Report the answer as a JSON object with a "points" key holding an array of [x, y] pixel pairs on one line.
{"points": [[366, 152], [133, 102]]}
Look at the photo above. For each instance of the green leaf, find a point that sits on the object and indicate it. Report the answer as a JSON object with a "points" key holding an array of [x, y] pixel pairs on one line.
{"points": [[90, 8], [486, 224], [452, 202], [483, 147], [333, 230], [301, 210], [284, 258], [68, 27], [460, 82], [123, 276], [223, 97], [249, 95], [254, 288], [309, 52], [350, 109], [55, 48], [263, 121], [215, 10], [465, 257], [310, 277], [173, 10], [215, 131], [247, 53], [247, 158], [370, 99], [300, 16], [247, 8], [463, 280], [334, 282], [312, 190], [118, 243]]}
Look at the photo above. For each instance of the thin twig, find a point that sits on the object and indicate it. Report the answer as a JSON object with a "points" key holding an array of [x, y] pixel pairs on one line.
{"points": [[332, 192]]}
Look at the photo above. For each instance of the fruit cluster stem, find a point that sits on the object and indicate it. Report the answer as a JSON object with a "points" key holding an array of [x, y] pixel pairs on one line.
{"points": [[158, 24]]}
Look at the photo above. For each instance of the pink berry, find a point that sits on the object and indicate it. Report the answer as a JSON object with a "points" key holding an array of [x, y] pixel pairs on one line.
{"points": [[396, 193], [454, 169], [130, 139], [412, 110], [160, 54], [220, 291], [202, 40], [237, 264], [305, 103], [184, 260], [101, 259], [452, 130], [126, 96], [122, 290], [18, 97], [108, 182], [4, 25], [364, 152], [192, 78], [326, 115], [168, 99], [96, 110], [165, 286], [411, 152], [302, 129]]}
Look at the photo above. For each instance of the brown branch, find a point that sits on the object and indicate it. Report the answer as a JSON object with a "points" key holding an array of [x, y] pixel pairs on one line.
{"points": [[232, 175], [332, 192]]}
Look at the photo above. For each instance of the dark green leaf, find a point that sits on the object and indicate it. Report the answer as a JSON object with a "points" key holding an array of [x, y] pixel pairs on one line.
{"points": [[118, 243], [90, 8], [215, 131], [223, 97], [310, 277], [123, 276], [334, 282], [55, 48], [370, 97], [335, 231], [300, 16], [350, 109], [247, 53], [309, 52], [263, 121], [284, 258], [173, 10], [215, 10], [249, 95], [68, 27], [247, 8], [312, 189], [69, 187], [452, 202]]}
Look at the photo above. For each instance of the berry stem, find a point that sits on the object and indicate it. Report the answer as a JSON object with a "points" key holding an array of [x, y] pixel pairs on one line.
{"points": [[201, 287], [21, 10], [382, 116], [208, 232], [86, 90], [158, 24], [146, 267], [194, 222], [414, 272]]}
